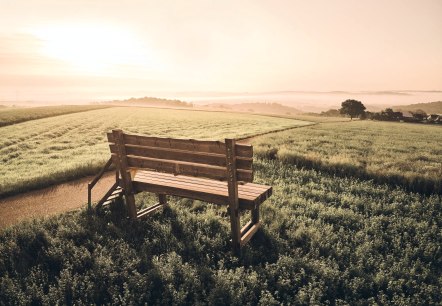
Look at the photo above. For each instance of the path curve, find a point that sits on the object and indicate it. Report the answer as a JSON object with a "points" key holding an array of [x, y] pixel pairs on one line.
{"points": [[51, 200]]}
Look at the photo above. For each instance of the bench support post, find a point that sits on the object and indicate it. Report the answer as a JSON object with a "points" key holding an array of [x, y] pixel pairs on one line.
{"points": [[162, 199], [125, 174], [235, 224], [255, 215]]}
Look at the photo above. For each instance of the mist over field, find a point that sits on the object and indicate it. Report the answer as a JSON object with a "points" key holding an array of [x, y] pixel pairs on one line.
{"points": [[304, 101]]}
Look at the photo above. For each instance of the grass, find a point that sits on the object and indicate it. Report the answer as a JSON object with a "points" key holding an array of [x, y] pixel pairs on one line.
{"points": [[325, 240], [42, 152], [401, 154], [328, 236], [14, 115]]}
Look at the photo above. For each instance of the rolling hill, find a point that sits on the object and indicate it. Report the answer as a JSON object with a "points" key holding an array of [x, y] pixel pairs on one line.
{"points": [[429, 108]]}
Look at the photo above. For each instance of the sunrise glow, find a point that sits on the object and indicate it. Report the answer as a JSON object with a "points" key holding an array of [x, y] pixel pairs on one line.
{"points": [[93, 49]]}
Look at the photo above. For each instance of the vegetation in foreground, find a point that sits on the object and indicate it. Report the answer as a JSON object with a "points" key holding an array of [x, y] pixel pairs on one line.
{"points": [[401, 154], [42, 152], [12, 115], [324, 240]]}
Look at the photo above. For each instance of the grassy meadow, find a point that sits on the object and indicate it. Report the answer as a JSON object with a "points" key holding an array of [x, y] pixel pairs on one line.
{"points": [[408, 155], [42, 152], [327, 238], [324, 240], [12, 115]]}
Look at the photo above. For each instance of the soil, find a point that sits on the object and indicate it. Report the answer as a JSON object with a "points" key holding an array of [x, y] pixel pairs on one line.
{"points": [[52, 200]]}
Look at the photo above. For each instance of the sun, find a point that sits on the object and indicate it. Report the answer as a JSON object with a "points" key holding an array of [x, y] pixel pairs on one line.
{"points": [[93, 49]]}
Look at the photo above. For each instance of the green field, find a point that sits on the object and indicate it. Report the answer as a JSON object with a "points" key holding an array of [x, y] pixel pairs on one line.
{"points": [[42, 152], [407, 155], [328, 237], [12, 115], [324, 240]]}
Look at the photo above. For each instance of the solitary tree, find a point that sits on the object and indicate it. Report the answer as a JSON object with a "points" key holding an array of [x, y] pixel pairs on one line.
{"points": [[353, 108]]}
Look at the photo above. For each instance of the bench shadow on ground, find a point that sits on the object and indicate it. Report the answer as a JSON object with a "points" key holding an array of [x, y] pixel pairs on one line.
{"points": [[194, 238]]}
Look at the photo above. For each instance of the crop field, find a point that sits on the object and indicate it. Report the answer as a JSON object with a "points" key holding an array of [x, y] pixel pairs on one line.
{"points": [[41, 152], [13, 115], [327, 237], [408, 155]]}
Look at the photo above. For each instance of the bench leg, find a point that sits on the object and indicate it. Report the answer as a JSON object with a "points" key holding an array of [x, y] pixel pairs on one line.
{"points": [[162, 199], [255, 215], [235, 226], [130, 202]]}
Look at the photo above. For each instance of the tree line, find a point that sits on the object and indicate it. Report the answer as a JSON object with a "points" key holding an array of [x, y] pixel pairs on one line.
{"points": [[355, 109]]}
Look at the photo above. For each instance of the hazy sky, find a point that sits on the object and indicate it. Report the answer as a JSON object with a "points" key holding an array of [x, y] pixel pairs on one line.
{"points": [[61, 48]]}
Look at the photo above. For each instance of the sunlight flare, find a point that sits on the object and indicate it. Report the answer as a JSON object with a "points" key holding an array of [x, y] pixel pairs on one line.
{"points": [[94, 49]]}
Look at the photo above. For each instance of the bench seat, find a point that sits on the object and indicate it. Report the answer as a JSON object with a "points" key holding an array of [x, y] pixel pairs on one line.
{"points": [[250, 195]]}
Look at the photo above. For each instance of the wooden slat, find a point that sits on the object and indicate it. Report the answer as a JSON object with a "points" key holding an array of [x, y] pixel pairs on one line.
{"points": [[108, 193], [208, 146], [253, 199], [213, 159], [187, 186], [196, 194], [185, 168], [147, 211], [249, 234], [247, 190]]}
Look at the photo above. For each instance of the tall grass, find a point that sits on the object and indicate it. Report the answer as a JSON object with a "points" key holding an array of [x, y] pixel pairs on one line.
{"points": [[401, 154], [14, 115], [324, 240], [41, 152]]}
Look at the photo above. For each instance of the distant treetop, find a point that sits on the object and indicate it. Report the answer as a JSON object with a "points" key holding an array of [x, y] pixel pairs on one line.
{"points": [[353, 108]]}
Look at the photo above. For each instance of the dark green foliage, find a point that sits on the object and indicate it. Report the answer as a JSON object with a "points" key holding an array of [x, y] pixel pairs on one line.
{"points": [[324, 240], [353, 108]]}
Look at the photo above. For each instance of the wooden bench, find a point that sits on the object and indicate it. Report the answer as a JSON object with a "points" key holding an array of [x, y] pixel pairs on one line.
{"points": [[211, 171]]}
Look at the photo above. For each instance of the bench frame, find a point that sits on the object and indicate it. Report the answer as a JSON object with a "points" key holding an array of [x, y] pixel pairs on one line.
{"points": [[240, 236]]}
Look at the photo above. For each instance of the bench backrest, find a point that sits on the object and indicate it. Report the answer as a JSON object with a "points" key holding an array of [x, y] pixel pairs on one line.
{"points": [[207, 159]]}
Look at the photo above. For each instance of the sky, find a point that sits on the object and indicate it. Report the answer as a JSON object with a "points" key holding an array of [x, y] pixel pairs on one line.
{"points": [[90, 49]]}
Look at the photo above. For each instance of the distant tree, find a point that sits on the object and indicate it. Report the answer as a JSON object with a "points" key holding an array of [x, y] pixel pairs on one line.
{"points": [[353, 108], [419, 115], [331, 113], [389, 115]]}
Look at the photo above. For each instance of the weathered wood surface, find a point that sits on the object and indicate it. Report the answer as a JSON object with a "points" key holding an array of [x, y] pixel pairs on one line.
{"points": [[122, 166], [207, 146], [211, 171], [213, 159], [249, 195]]}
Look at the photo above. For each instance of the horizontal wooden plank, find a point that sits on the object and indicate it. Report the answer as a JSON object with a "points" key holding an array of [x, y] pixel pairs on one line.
{"points": [[144, 182], [258, 192], [147, 211], [165, 178], [187, 156], [207, 146], [249, 234], [207, 189], [186, 168]]}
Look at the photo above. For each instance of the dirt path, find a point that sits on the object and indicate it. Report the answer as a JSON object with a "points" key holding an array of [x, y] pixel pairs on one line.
{"points": [[63, 197], [51, 200]]}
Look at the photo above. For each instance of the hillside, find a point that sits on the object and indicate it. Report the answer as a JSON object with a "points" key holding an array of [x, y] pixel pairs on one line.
{"points": [[259, 108], [429, 108], [150, 101]]}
